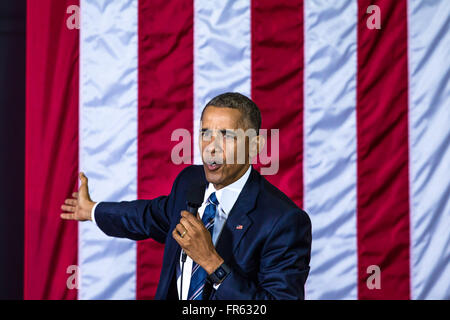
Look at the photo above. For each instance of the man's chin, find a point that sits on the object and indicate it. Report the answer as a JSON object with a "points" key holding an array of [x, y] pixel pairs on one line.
{"points": [[213, 173]]}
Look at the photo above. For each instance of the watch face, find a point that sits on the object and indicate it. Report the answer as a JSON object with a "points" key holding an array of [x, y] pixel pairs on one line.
{"points": [[220, 273]]}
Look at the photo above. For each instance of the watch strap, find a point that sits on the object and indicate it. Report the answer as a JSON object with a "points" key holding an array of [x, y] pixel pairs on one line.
{"points": [[219, 274]]}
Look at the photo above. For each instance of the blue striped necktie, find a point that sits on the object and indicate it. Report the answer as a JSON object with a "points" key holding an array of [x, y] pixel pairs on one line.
{"points": [[198, 275]]}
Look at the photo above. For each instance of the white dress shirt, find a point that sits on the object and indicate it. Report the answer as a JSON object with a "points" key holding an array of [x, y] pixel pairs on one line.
{"points": [[227, 197]]}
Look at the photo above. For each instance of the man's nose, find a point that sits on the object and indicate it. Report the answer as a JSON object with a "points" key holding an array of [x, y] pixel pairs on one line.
{"points": [[215, 143]]}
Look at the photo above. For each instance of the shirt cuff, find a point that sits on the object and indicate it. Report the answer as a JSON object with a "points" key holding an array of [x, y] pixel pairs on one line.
{"points": [[93, 213]]}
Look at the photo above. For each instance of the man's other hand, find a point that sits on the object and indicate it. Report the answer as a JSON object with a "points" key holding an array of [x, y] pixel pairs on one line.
{"points": [[80, 206]]}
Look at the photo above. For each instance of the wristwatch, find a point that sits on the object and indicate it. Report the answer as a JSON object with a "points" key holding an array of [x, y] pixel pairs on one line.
{"points": [[219, 274]]}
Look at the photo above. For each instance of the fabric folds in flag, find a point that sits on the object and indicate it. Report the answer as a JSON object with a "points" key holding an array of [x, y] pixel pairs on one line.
{"points": [[354, 95]]}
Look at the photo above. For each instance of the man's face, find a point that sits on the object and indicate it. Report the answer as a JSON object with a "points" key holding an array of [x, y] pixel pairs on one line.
{"points": [[220, 144]]}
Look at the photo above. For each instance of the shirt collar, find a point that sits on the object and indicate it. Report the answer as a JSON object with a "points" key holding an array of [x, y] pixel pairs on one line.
{"points": [[227, 196]]}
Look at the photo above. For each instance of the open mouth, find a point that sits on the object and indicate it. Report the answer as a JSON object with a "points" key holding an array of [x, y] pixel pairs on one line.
{"points": [[213, 165]]}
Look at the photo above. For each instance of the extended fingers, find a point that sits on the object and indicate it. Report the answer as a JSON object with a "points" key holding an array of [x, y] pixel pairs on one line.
{"points": [[68, 208], [67, 216], [70, 205], [71, 202]]}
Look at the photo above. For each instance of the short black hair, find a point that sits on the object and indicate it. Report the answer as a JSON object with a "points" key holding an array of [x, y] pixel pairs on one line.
{"points": [[245, 105]]}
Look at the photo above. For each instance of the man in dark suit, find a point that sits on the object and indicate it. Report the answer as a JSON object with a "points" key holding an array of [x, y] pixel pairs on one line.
{"points": [[248, 241]]}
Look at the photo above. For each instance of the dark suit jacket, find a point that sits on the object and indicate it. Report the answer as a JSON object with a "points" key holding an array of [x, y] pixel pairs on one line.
{"points": [[269, 256]]}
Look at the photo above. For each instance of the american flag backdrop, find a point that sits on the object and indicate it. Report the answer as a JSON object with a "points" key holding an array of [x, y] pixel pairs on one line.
{"points": [[364, 131]]}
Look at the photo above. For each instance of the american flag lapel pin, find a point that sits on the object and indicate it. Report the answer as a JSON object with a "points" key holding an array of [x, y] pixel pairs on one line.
{"points": [[239, 227]]}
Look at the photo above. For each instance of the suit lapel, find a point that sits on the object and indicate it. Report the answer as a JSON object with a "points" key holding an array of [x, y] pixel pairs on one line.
{"points": [[238, 221]]}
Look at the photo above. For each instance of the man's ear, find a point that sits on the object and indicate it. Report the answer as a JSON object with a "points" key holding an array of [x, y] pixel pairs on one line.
{"points": [[257, 143]]}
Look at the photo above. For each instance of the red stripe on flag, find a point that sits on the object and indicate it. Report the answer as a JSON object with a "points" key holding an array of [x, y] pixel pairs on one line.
{"points": [[382, 132], [277, 85], [165, 104], [51, 160]]}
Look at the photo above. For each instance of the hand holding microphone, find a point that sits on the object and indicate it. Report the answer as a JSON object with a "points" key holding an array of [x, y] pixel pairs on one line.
{"points": [[193, 237]]}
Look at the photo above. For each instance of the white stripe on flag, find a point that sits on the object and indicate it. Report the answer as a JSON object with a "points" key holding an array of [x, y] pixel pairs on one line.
{"points": [[330, 147], [108, 140], [221, 53], [429, 134]]}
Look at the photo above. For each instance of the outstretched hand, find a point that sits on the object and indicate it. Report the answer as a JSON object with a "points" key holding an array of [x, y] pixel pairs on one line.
{"points": [[78, 207]]}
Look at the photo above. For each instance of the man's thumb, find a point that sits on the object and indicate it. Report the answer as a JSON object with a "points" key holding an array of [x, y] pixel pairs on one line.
{"points": [[83, 178]]}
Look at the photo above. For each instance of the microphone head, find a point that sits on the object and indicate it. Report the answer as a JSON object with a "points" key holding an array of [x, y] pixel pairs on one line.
{"points": [[195, 194]]}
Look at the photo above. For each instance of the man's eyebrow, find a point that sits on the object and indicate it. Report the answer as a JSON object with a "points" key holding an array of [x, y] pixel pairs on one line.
{"points": [[227, 131], [222, 131]]}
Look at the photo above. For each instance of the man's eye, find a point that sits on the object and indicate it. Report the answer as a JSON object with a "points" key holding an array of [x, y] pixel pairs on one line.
{"points": [[206, 134], [228, 134]]}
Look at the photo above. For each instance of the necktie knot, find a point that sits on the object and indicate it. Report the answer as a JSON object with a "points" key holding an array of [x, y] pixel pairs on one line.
{"points": [[210, 210], [213, 199]]}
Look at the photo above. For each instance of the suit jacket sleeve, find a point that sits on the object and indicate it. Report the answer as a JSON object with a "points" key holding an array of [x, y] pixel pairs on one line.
{"points": [[138, 219], [284, 264]]}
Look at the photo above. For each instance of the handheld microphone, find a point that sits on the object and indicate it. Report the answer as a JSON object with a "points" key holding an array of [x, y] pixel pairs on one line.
{"points": [[194, 200]]}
